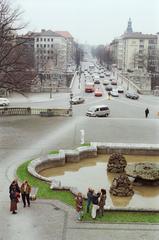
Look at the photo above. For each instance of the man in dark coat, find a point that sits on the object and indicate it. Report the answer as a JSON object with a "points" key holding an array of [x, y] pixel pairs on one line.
{"points": [[146, 112]]}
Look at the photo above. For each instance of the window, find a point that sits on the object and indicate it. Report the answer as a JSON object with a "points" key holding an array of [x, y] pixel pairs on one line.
{"points": [[48, 51], [44, 39], [37, 45], [48, 39], [37, 39], [41, 39], [44, 45], [51, 45], [48, 45], [51, 39]]}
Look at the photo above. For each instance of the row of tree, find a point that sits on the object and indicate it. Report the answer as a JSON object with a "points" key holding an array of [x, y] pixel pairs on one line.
{"points": [[103, 54], [16, 61]]}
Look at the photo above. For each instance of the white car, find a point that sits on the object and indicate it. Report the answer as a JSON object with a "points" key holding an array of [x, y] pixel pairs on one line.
{"points": [[77, 100], [105, 82], [114, 93], [120, 89], [107, 74], [4, 102]]}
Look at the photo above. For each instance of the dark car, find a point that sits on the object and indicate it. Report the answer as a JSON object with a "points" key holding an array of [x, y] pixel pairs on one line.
{"points": [[132, 95], [97, 81], [108, 88]]}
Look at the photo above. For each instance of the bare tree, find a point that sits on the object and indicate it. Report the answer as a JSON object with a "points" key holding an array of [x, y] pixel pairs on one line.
{"points": [[16, 66]]}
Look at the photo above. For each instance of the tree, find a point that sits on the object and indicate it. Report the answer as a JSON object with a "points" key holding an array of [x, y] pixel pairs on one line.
{"points": [[16, 57]]}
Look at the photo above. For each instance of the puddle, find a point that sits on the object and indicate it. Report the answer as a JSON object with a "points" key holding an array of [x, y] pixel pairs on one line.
{"points": [[92, 173]]}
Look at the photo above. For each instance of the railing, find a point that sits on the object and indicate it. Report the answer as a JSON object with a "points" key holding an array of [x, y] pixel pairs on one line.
{"points": [[5, 111]]}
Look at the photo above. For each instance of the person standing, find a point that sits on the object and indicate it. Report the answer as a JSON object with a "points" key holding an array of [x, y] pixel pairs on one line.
{"points": [[102, 200], [79, 206], [89, 198], [14, 192], [95, 202], [146, 112], [25, 192]]}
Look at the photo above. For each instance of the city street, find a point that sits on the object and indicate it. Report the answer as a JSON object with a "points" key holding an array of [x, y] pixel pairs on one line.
{"points": [[24, 137]]}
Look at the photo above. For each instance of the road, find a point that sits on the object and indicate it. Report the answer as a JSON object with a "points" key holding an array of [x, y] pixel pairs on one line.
{"points": [[23, 138]]}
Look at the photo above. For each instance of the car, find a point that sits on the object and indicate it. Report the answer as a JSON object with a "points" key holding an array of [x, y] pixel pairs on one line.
{"points": [[4, 102], [96, 81], [101, 75], [107, 74], [120, 89], [132, 95], [111, 79], [77, 100], [98, 93], [98, 111], [89, 87], [105, 82], [108, 88], [114, 82], [114, 93]]}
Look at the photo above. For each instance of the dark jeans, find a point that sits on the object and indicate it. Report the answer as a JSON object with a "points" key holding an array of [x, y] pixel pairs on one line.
{"points": [[25, 197], [88, 205]]}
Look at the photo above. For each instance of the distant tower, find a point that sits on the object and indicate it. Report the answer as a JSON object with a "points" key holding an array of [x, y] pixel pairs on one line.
{"points": [[129, 27]]}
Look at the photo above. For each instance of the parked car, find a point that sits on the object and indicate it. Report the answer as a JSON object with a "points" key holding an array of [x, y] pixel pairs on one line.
{"points": [[105, 82], [114, 82], [114, 93], [108, 88], [4, 102], [77, 100], [132, 95], [98, 93], [120, 89], [98, 111]]}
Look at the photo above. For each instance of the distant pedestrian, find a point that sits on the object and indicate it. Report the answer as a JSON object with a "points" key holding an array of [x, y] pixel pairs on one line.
{"points": [[14, 194], [25, 192], [109, 95], [146, 112], [79, 206], [89, 198], [102, 200]]}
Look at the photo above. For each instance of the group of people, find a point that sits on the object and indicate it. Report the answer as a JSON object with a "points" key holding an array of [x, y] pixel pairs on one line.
{"points": [[14, 193], [96, 199]]}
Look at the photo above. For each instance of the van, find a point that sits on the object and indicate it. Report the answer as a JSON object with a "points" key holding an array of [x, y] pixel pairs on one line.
{"points": [[4, 102], [98, 111]]}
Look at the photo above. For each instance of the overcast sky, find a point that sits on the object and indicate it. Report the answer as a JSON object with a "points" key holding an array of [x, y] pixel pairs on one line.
{"points": [[91, 21]]}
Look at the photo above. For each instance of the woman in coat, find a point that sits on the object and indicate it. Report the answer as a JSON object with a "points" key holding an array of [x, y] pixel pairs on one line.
{"points": [[14, 192], [79, 206]]}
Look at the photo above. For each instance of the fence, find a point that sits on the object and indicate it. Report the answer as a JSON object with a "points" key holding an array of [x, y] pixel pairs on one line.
{"points": [[35, 111]]}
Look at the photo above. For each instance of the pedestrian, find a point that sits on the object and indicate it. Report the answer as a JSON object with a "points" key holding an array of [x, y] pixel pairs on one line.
{"points": [[146, 112], [25, 192], [89, 198], [14, 192], [95, 202], [102, 200], [79, 206], [109, 95]]}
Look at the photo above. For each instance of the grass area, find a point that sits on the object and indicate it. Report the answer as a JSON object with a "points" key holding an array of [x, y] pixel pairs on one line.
{"points": [[125, 217], [45, 192], [85, 145], [53, 152]]}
